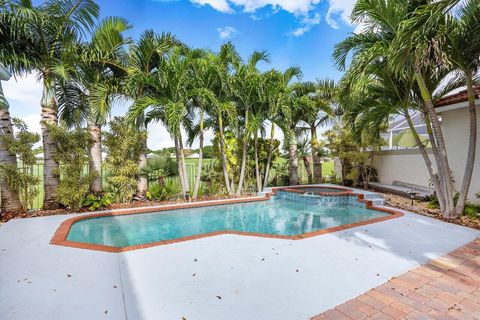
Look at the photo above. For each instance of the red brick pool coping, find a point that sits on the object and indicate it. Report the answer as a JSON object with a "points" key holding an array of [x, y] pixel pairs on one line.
{"points": [[60, 236], [445, 288]]}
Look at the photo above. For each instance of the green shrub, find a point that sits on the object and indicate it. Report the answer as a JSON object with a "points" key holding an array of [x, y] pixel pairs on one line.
{"points": [[124, 145], [161, 193], [21, 179], [72, 155], [95, 202]]}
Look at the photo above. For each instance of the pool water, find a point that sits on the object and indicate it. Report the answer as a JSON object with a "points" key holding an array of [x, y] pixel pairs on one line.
{"points": [[276, 216]]}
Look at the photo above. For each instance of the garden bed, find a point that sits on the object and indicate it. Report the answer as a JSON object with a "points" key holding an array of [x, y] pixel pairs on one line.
{"points": [[136, 204], [421, 207]]}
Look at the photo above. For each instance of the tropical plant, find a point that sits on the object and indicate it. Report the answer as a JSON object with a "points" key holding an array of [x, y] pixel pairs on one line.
{"points": [[10, 200], [19, 180], [276, 93], [320, 114], [412, 42], [49, 33], [246, 83], [71, 153], [145, 86], [94, 201], [123, 146], [93, 84]]}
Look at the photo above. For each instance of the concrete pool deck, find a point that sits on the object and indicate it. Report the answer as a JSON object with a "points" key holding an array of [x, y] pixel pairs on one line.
{"points": [[221, 277]]}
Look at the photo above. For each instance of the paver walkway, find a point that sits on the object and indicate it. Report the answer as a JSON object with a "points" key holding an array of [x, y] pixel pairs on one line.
{"points": [[445, 288]]}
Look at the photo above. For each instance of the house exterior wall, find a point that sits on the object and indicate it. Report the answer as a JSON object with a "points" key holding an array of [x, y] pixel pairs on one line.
{"points": [[456, 126], [401, 165], [408, 165]]}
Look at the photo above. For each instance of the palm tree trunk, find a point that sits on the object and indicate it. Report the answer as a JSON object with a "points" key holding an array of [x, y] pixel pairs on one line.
{"points": [[223, 156], [472, 144], [10, 201], [428, 162], [257, 168], [317, 161], [243, 166], [142, 182], [184, 163], [270, 154], [200, 159], [438, 161], [293, 160], [244, 157], [50, 167], [308, 169], [449, 211], [181, 174], [95, 164]]}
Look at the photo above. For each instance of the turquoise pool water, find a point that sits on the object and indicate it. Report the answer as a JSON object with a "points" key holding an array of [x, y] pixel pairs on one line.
{"points": [[277, 216]]}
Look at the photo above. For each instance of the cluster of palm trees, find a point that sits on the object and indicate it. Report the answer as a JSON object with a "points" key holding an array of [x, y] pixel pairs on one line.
{"points": [[85, 66], [409, 55]]}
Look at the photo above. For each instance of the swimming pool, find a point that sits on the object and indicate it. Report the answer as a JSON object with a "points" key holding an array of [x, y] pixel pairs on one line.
{"points": [[278, 217]]}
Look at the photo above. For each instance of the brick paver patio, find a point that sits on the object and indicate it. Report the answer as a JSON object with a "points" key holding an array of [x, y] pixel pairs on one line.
{"points": [[445, 288]]}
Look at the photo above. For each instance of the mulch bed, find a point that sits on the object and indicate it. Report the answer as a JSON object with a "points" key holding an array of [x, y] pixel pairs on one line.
{"points": [[422, 208], [136, 204]]}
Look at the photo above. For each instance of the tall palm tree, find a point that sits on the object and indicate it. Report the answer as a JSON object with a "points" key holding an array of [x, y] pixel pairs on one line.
{"points": [[10, 199], [276, 92], [246, 84], [463, 52], [53, 28], [167, 100], [417, 48], [144, 59], [224, 111], [96, 81], [13, 48], [410, 38], [300, 102]]}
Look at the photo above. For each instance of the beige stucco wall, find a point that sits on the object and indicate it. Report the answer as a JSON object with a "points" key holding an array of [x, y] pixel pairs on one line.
{"points": [[401, 165], [456, 126], [408, 165]]}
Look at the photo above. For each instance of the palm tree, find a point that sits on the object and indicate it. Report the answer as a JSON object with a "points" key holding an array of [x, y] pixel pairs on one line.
{"points": [[10, 199], [53, 28], [246, 84], [224, 111], [144, 59], [276, 92], [300, 102], [12, 52], [88, 95], [167, 100], [409, 38], [325, 91], [463, 51], [416, 48]]}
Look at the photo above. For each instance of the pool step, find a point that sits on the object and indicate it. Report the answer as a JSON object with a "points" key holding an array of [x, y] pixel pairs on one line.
{"points": [[375, 198]]}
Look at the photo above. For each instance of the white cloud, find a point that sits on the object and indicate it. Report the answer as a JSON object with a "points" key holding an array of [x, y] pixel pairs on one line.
{"points": [[292, 6], [23, 95], [227, 32], [307, 23], [220, 5], [339, 11]]}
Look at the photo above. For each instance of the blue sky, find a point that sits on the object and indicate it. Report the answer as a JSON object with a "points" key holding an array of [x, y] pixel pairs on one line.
{"points": [[291, 34], [294, 32]]}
